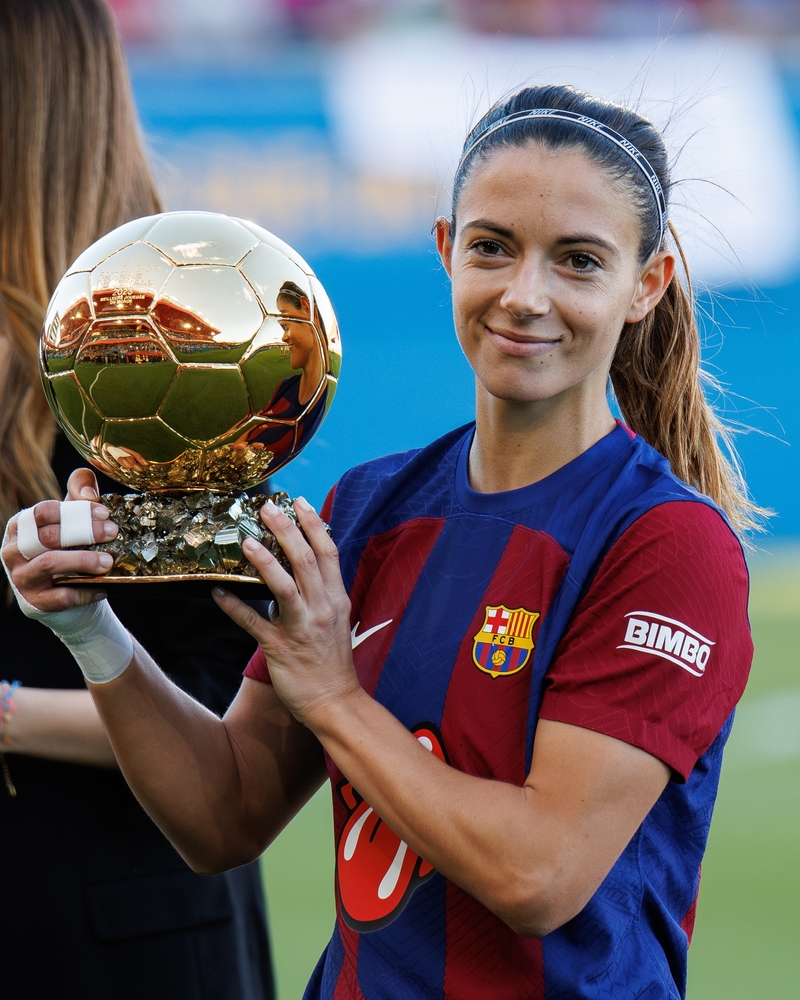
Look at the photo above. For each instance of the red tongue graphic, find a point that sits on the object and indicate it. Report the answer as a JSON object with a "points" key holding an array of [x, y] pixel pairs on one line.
{"points": [[376, 871]]}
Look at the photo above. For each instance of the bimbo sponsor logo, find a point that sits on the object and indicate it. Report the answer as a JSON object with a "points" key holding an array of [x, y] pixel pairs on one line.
{"points": [[658, 635]]}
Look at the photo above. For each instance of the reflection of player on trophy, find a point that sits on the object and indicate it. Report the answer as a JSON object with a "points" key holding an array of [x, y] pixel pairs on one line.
{"points": [[304, 348], [308, 355]]}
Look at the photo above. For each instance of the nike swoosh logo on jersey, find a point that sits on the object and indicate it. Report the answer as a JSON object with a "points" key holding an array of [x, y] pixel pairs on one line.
{"points": [[356, 640]]}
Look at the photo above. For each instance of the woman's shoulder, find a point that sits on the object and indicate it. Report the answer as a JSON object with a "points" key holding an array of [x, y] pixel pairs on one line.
{"points": [[431, 454], [646, 483], [371, 496], [418, 464], [637, 504]]}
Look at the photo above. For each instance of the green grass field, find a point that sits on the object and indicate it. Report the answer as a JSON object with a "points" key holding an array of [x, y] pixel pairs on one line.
{"points": [[747, 939]]}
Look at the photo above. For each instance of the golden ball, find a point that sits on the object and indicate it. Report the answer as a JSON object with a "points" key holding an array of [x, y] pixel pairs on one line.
{"points": [[190, 350]]}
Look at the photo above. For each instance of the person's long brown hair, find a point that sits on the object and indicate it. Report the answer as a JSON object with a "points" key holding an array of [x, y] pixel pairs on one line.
{"points": [[72, 167], [656, 373]]}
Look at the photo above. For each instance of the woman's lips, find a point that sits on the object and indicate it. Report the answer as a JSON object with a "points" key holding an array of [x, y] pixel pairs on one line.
{"points": [[516, 346]]}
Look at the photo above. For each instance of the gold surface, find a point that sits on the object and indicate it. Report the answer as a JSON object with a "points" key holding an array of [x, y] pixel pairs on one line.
{"points": [[190, 351], [112, 580]]}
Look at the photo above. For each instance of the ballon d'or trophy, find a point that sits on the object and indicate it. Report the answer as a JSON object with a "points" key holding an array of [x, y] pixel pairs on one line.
{"points": [[189, 356]]}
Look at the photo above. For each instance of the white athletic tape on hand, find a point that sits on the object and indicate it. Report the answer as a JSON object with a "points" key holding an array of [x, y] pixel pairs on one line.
{"points": [[76, 523], [98, 640], [100, 643], [28, 534], [25, 606]]}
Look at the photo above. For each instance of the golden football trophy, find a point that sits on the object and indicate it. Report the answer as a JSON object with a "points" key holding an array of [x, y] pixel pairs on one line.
{"points": [[189, 356]]}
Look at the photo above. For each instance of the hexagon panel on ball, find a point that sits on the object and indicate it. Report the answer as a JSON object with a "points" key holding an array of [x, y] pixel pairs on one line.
{"points": [[190, 351]]}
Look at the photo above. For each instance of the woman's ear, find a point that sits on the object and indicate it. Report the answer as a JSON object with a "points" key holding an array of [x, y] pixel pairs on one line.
{"points": [[653, 282], [444, 241]]}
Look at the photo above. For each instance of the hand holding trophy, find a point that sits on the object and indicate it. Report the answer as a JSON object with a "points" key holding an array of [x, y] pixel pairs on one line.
{"points": [[190, 356]]}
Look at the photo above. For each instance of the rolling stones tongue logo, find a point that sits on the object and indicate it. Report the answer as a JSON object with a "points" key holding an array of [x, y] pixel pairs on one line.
{"points": [[376, 871]]}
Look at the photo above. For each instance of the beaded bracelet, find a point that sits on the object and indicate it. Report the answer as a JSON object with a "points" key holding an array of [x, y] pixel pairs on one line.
{"points": [[8, 707]]}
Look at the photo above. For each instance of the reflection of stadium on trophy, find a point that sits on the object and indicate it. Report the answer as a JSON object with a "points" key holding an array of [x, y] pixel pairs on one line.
{"points": [[298, 404], [189, 332], [130, 342]]}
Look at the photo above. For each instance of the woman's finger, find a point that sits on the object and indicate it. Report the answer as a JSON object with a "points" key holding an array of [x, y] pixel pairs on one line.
{"points": [[321, 542], [47, 516], [34, 578], [102, 528], [34, 573], [297, 550], [82, 485], [244, 616], [48, 512], [283, 587]]}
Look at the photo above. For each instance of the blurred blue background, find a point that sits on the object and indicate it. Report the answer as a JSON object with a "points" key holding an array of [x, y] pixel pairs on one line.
{"points": [[336, 124], [254, 126]]}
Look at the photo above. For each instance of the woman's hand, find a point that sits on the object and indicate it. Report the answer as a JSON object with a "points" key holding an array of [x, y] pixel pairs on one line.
{"points": [[307, 646], [33, 578]]}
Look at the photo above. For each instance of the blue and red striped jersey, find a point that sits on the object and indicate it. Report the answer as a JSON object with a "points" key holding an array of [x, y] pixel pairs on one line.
{"points": [[609, 595]]}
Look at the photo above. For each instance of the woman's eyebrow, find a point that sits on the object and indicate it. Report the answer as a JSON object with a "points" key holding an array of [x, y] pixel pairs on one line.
{"points": [[592, 240], [485, 224], [564, 241]]}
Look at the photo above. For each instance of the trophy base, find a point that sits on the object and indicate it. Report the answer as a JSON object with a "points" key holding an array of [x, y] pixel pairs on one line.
{"points": [[189, 585], [185, 544]]}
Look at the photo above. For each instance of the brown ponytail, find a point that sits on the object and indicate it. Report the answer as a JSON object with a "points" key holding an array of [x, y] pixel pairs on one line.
{"points": [[659, 386]]}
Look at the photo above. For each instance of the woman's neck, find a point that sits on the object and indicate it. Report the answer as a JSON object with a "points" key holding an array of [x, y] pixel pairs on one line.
{"points": [[310, 379], [517, 444]]}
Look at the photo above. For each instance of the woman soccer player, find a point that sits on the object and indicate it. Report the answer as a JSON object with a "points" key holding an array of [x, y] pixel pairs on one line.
{"points": [[517, 660]]}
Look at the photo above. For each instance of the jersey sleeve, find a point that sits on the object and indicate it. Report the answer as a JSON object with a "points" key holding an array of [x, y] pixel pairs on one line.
{"points": [[327, 507], [257, 668], [658, 651]]}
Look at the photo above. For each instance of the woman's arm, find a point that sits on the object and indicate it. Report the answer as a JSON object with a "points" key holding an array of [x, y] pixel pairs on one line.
{"points": [[221, 789], [58, 725], [533, 855]]}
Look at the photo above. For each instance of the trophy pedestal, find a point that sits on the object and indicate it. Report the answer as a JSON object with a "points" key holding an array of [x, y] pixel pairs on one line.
{"points": [[185, 544], [198, 586]]}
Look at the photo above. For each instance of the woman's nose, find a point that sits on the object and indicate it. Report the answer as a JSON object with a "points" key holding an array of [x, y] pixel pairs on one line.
{"points": [[527, 293]]}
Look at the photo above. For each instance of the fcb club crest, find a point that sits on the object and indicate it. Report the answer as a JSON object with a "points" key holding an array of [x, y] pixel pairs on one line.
{"points": [[505, 641]]}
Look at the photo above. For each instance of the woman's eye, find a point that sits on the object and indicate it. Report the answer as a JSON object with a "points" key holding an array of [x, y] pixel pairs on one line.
{"points": [[582, 262], [488, 248]]}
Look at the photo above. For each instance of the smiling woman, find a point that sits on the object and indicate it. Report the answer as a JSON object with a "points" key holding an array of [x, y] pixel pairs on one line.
{"points": [[542, 289], [517, 658]]}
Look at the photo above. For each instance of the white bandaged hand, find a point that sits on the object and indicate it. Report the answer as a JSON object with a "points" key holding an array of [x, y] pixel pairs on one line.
{"points": [[98, 640]]}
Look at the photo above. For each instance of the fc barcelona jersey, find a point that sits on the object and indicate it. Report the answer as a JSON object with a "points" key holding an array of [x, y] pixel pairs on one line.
{"points": [[609, 595]]}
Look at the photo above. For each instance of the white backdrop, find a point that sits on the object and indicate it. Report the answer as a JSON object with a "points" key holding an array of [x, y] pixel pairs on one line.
{"points": [[401, 104]]}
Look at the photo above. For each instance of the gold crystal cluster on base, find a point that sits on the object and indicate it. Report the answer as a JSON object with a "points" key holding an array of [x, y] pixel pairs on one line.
{"points": [[162, 536], [189, 353]]}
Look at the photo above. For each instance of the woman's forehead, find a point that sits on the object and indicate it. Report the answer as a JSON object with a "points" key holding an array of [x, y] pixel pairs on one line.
{"points": [[531, 184]]}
